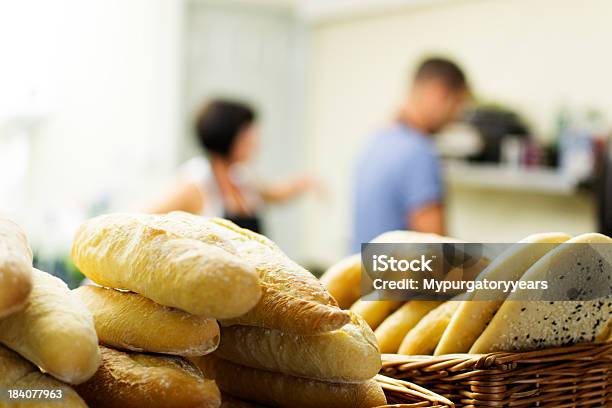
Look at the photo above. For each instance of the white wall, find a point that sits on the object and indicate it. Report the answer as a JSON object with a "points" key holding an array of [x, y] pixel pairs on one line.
{"points": [[532, 55], [106, 74]]}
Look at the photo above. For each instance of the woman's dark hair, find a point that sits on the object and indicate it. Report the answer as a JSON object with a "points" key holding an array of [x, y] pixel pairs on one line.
{"points": [[220, 122]]}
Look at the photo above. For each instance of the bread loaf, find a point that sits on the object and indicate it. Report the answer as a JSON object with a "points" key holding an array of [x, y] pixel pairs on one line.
{"points": [[394, 328], [135, 380], [54, 330], [293, 300], [521, 324], [283, 391], [148, 255], [375, 311], [15, 267], [349, 354], [343, 280], [423, 338], [129, 321], [474, 314], [228, 401], [17, 373]]}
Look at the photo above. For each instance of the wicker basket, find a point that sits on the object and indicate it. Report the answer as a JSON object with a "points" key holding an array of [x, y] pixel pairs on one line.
{"points": [[576, 376], [402, 394]]}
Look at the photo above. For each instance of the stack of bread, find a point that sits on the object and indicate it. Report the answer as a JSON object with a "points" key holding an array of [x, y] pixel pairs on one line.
{"points": [[165, 283], [517, 321], [44, 328]]}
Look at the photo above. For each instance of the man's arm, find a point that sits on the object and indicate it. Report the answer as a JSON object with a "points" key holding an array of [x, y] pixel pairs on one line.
{"points": [[428, 218]]}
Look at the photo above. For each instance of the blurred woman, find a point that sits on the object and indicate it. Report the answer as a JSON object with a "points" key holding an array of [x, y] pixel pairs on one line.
{"points": [[219, 183]]}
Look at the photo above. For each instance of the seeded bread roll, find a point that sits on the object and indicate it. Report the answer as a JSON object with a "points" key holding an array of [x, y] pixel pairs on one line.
{"points": [[293, 300], [129, 321], [329, 356], [423, 338], [283, 391], [375, 311], [149, 255], [17, 373], [475, 313], [576, 267], [134, 380], [54, 330], [15, 267], [394, 328]]}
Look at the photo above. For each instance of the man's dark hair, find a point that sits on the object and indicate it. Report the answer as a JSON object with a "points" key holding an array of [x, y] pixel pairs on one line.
{"points": [[220, 122], [443, 69]]}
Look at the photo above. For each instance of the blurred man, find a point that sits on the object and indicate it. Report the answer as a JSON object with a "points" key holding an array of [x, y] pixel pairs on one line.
{"points": [[398, 184]]}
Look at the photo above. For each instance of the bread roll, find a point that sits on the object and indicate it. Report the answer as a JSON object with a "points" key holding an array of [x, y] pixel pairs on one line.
{"points": [[329, 356], [375, 311], [134, 380], [228, 401], [394, 328], [280, 390], [521, 325], [17, 373], [15, 267], [147, 255], [474, 314], [293, 300], [129, 321], [343, 280], [54, 330], [424, 337]]}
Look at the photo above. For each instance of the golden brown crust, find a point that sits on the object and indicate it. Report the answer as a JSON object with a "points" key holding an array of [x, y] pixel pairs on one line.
{"points": [[293, 300], [129, 321], [15, 267], [328, 357], [150, 255], [281, 390], [374, 312], [134, 380], [18, 373], [54, 330], [343, 280]]}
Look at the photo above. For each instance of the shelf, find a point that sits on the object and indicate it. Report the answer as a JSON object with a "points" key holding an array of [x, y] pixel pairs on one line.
{"points": [[504, 178]]}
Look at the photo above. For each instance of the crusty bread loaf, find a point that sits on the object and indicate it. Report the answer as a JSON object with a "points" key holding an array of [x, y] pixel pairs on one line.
{"points": [[293, 300], [129, 321], [343, 280], [148, 255], [474, 314], [529, 320], [54, 330], [375, 311], [285, 391], [15, 267], [228, 401], [394, 328], [424, 337], [349, 354], [18, 373], [135, 380]]}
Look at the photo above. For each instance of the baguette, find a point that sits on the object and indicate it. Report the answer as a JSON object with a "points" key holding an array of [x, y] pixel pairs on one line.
{"points": [[528, 320], [15, 268], [280, 390], [474, 314], [54, 330], [329, 356], [293, 300], [375, 311], [343, 280], [394, 328], [17, 373], [148, 255], [129, 321], [424, 337], [134, 380]]}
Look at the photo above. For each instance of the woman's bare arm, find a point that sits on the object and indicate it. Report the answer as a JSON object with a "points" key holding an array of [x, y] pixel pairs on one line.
{"points": [[284, 191], [186, 196]]}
